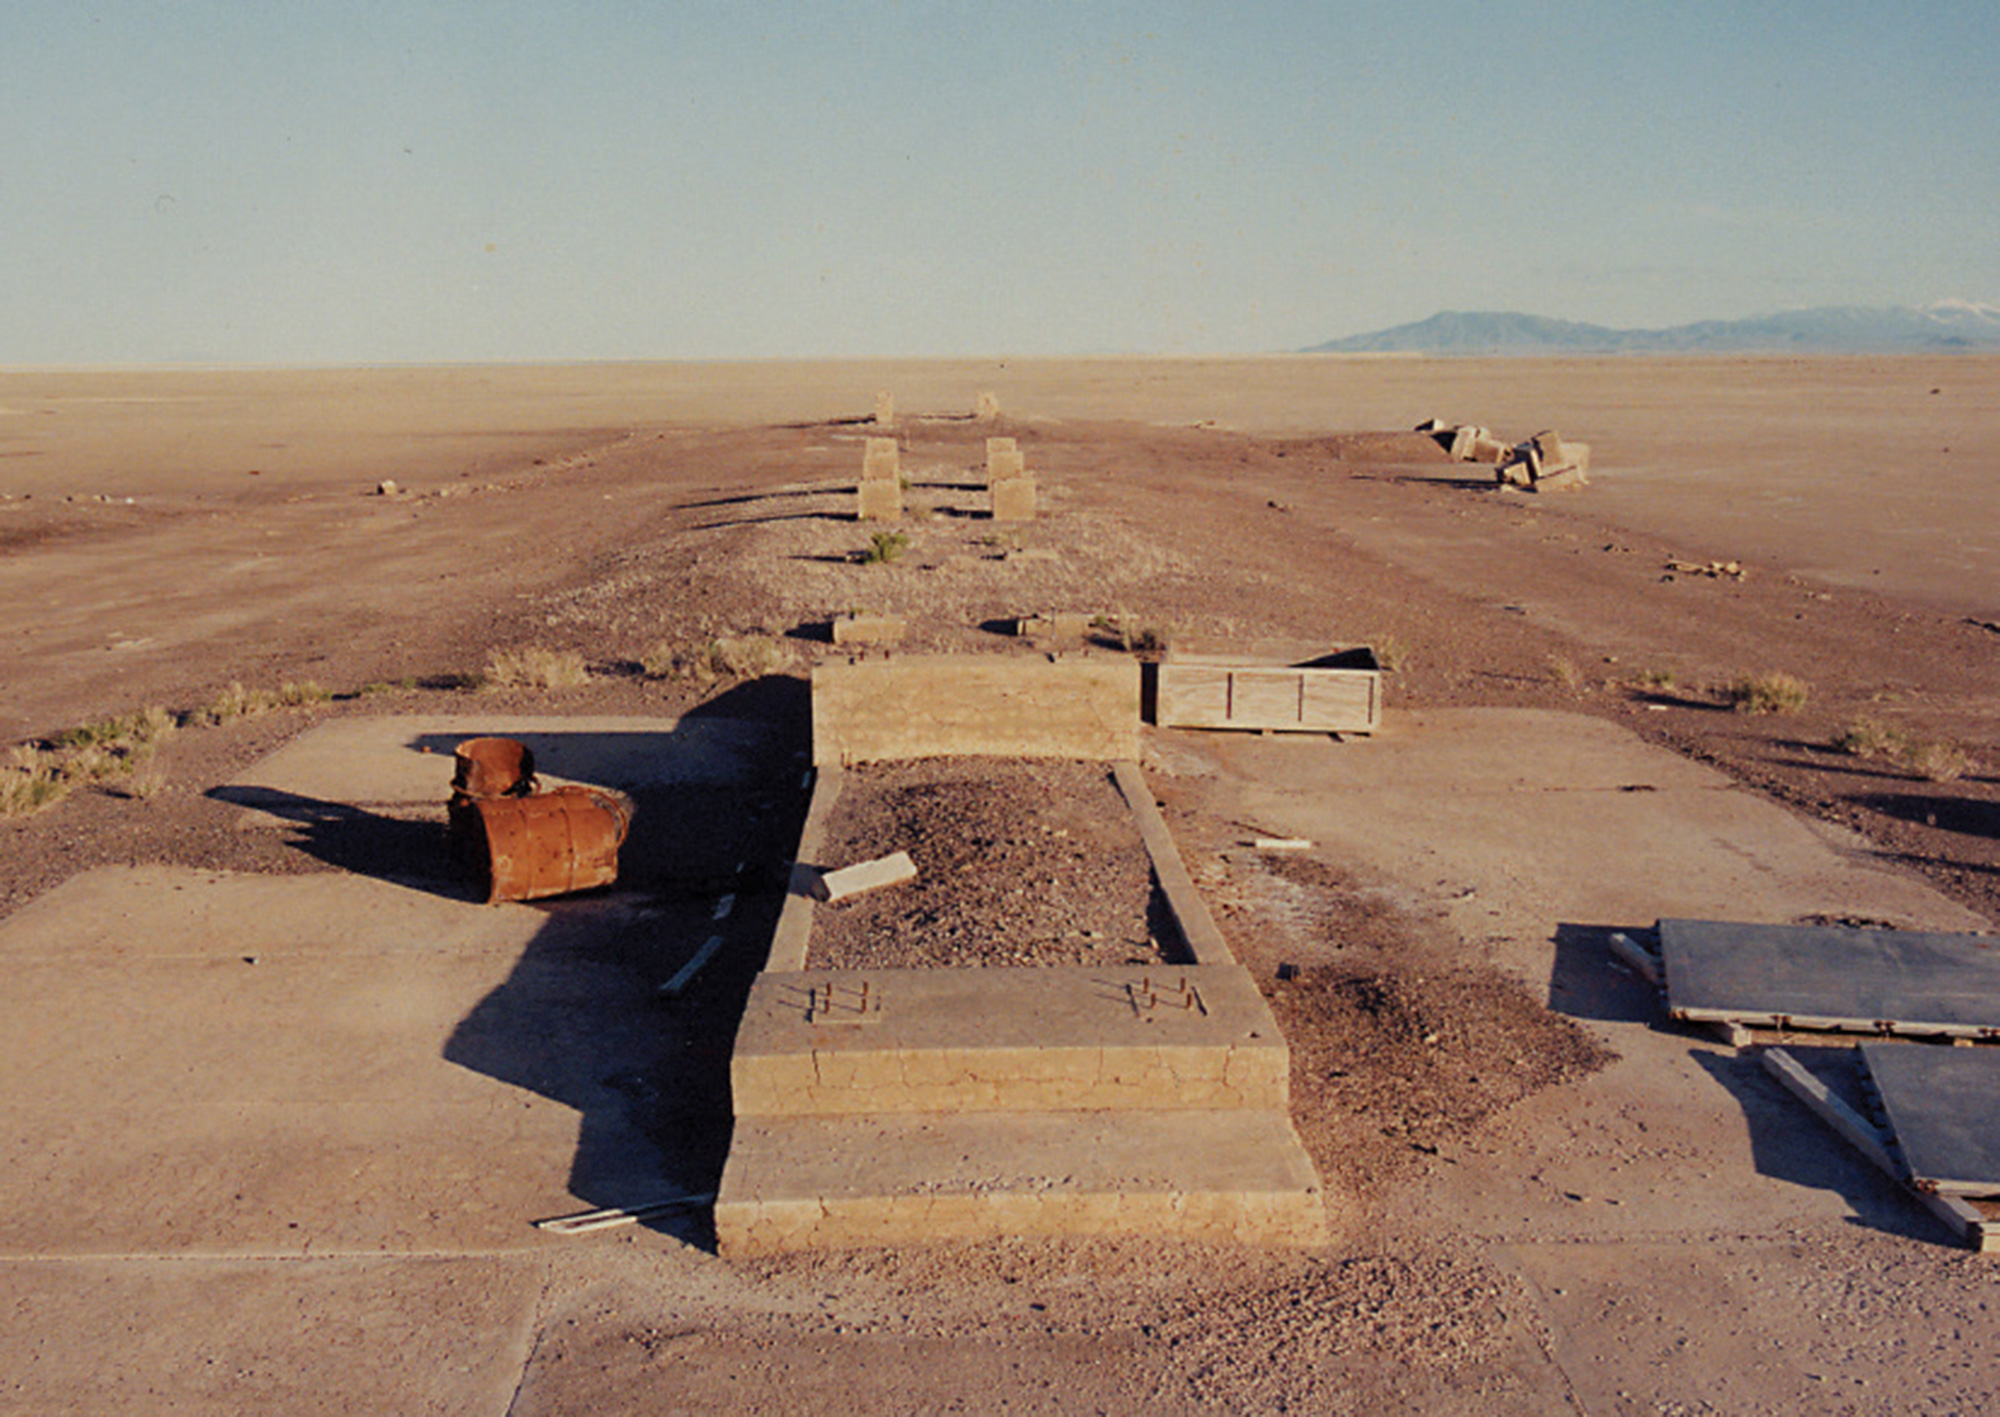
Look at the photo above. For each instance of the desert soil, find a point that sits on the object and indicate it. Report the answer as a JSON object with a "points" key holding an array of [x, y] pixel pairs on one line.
{"points": [[638, 517]]}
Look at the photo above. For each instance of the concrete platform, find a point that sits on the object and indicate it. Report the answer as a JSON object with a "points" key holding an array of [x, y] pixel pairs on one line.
{"points": [[996, 1040], [798, 1183], [1939, 1102], [405, 760], [202, 1063]]}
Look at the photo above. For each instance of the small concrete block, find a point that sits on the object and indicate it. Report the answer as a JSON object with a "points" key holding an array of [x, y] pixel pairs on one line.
{"points": [[1561, 479], [885, 409], [1467, 438], [881, 461], [987, 409], [879, 500], [1004, 464], [1014, 499], [1487, 449], [866, 876], [869, 629], [1063, 625]]}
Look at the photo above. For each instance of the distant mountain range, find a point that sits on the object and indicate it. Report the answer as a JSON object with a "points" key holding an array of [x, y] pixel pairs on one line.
{"points": [[1950, 326]]}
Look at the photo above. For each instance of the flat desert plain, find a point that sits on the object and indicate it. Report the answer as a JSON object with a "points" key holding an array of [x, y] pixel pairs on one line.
{"points": [[278, 1105]]}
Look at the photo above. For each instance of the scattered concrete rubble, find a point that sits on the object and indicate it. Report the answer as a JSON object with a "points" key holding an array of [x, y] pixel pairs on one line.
{"points": [[1543, 463]]}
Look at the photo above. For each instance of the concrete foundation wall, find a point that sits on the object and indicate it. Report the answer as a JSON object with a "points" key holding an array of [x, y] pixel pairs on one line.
{"points": [[981, 705]]}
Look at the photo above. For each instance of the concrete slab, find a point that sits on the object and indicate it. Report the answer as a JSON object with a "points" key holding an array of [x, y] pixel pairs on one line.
{"points": [[202, 1063], [913, 1040], [1509, 822], [1939, 1102], [1857, 980], [405, 760], [921, 706], [831, 1182]]}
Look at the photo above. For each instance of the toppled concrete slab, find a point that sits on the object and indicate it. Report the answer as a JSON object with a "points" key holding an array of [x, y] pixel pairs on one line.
{"points": [[1834, 978], [406, 760], [797, 1183], [1146, 1038]]}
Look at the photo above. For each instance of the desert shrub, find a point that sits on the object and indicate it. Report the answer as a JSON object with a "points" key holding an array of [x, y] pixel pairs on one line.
{"points": [[884, 547], [1563, 670], [29, 782], [1768, 693], [302, 693], [233, 703], [1938, 762], [749, 656], [533, 667], [1865, 738], [1654, 679], [1391, 652]]}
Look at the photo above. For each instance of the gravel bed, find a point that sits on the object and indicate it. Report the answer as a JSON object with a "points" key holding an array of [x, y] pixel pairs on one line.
{"points": [[1019, 862]]}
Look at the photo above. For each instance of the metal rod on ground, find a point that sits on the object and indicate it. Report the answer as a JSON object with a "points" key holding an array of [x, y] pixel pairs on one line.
{"points": [[677, 985], [584, 1222]]}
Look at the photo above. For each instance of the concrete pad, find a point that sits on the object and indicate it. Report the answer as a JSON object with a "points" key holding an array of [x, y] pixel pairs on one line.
{"points": [[1511, 821], [395, 1071], [1150, 1038], [816, 1182], [299, 1336], [405, 760]]}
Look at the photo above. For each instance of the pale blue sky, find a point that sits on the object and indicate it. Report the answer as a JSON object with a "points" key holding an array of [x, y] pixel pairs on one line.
{"points": [[609, 179]]}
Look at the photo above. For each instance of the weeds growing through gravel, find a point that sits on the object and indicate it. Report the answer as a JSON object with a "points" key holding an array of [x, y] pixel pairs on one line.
{"points": [[1865, 738], [37, 777], [1391, 652], [1563, 670], [1932, 759], [1768, 693], [884, 547], [750, 656], [1937, 762], [533, 667]]}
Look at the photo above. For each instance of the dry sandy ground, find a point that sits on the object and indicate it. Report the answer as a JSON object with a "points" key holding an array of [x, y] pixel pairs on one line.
{"points": [[1527, 1225]]}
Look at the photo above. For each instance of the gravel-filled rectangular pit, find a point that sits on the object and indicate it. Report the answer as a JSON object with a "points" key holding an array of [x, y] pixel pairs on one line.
{"points": [[1019, 862]]}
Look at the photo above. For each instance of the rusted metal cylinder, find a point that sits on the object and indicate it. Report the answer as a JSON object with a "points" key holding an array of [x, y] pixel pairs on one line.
{"points": [[547, 843], [493, 767]]}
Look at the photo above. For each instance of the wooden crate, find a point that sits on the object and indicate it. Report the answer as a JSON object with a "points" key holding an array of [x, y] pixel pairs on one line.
{"points": [[1211, 691]]}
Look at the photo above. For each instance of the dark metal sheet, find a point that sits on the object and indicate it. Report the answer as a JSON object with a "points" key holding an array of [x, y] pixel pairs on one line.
{"points": [[1941, 1108], [1832, 977]]}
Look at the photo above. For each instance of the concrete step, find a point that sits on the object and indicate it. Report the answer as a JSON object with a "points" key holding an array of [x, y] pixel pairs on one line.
{"points": [[803, 1183], [1154, 1038]]}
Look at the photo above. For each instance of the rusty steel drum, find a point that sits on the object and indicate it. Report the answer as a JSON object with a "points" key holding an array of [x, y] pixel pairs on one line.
{"points": [[493, 767], [547, 843]]}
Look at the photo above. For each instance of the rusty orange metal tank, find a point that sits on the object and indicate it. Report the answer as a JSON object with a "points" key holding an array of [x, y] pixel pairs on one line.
{"points": [[493, 767], [546, 843]]}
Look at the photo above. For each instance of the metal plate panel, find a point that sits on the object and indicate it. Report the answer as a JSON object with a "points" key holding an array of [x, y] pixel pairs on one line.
{"points": [[1940, 1104], [1804, 976]]}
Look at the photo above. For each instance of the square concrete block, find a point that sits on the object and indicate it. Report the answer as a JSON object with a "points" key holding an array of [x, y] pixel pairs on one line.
{"points": [[1005, 463], [885, 409], [869, 629], [881, 460], [879, 500], [987, 408], [1014, 499]]}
